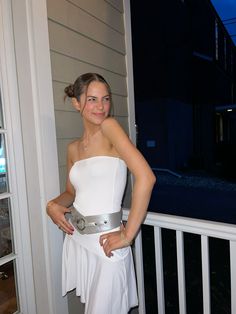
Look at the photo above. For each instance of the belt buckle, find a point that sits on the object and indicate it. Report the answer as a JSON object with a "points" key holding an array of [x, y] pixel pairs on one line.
{"points": [[81, 224]]}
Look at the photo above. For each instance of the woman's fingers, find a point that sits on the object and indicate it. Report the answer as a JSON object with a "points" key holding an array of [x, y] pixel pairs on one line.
{"points": [[58, 217], [65, 228], [112, 241]]}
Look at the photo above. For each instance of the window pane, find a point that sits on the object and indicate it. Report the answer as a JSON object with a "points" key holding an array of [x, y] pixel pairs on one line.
{"points": [[3, 166], [8, 299], [5, 228]]}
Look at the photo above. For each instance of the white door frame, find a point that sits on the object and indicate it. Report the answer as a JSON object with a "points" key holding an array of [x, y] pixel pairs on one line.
{"points": [[20, 225], [129, 69], [34, 147]]}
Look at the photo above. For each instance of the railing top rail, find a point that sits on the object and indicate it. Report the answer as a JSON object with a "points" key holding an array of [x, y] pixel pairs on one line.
{"points": [[190, 225]]}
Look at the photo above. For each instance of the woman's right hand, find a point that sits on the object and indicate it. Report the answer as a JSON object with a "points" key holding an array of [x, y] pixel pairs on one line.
{"points": [[57, 213]]}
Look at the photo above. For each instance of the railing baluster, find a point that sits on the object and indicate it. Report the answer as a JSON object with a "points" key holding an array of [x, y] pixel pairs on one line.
{"points": [[233, 275], [159, 270], [205, 275], [203, 228], [139, 272], [181, 272]]}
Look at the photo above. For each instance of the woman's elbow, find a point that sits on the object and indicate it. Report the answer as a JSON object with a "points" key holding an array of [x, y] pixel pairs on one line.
{"points": [[146, 179], [151, 180]]}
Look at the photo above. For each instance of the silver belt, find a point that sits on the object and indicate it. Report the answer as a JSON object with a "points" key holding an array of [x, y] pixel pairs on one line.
{"points": [[95, 223]]}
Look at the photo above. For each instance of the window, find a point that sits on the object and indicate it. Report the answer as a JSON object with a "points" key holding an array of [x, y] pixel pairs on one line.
{"points": [[225, 53], [216, 40], [8, 257]]}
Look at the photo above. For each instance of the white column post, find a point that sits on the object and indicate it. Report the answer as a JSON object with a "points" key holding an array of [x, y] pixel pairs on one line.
{"points": [[40, 150]]}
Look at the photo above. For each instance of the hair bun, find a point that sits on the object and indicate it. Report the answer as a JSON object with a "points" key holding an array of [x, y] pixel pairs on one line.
{"points": [[69, 91]]}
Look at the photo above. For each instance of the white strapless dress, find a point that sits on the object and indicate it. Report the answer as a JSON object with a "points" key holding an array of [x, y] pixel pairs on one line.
{"points": [[106, 285]]}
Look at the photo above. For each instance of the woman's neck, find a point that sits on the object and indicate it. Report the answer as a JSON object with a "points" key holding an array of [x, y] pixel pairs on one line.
{"points": [[89, 136]]}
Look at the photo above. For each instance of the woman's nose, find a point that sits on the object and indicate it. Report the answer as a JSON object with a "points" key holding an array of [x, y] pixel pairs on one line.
{"points": [[100, 105]]}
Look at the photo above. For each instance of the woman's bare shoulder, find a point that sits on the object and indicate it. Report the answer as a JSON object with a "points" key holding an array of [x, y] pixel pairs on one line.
{"points": [[73, 149], [109, 122], [74, 144], [111, 126]]}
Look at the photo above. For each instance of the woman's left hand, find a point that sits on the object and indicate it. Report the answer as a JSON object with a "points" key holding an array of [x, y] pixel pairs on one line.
{"points": [[113, 241]]}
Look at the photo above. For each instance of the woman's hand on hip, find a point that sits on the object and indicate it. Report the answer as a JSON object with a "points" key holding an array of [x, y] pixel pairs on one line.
{"points": [[113, 241], [57, 213]]}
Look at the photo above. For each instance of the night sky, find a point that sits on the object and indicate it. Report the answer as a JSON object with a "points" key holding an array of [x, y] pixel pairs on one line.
{"points": [[227, 10]]}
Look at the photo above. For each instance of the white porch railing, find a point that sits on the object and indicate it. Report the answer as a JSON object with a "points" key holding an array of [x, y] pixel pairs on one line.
{"points": [[203, 228]]}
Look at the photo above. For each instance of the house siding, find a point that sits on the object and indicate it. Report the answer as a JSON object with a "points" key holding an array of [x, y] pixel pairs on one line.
{"points": [[85, 36]]}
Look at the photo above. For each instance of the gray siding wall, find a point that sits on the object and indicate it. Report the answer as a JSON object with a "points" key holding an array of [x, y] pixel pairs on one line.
{"points": [[85, 36]]}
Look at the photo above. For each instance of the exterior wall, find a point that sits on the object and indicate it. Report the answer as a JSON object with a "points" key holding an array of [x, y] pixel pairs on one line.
{"points": [[86, 36]]}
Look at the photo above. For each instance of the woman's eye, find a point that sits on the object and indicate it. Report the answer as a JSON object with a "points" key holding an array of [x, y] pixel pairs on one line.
{"points": [[91, 99], [107, 99]]}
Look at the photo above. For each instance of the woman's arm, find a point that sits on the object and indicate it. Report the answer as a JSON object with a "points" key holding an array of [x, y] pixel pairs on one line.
{"points": [[58, 207], [144, 181]]}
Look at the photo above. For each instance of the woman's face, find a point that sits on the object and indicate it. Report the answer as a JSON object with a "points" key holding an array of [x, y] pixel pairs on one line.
{"points": [[95, 104]]}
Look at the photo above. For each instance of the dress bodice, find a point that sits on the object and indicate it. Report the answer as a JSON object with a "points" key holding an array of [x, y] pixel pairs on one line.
{"points": [[99, 183]]}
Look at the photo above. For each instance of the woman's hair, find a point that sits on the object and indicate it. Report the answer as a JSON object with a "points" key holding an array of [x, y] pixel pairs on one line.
{"points": [[82, 83]]}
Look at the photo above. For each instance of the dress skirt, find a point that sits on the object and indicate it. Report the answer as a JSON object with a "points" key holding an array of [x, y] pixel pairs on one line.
{"points": [[106, 285]]}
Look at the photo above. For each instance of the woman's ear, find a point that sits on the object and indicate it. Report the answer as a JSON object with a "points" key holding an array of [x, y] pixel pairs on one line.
{"points": [[75, 103]]}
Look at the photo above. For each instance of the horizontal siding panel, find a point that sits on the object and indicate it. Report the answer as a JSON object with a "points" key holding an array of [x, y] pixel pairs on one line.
{"points": [[66, 70], [79, 47], [103, 11], [68, 125], [62, 177], [118, 4], [62, 150], [124, 123], [80, 21], [119, 105]]}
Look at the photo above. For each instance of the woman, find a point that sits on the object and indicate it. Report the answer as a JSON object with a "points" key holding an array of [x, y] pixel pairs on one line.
{"points": [[97, 258]]}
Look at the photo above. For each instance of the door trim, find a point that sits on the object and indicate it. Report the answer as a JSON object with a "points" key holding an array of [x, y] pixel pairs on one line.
{"points": [[16, 171], [40, 149]]}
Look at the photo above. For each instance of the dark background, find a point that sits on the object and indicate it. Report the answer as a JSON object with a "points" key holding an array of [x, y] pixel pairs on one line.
{"points": [[184, 65], [184, 85]]}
